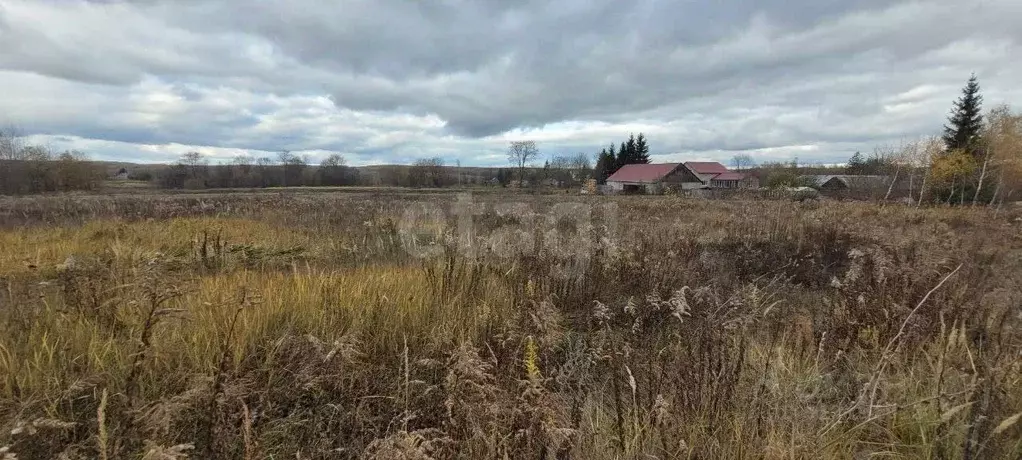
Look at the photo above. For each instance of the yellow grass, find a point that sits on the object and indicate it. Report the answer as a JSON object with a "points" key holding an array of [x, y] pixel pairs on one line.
{"points": [[380, 306], [128, 242]]}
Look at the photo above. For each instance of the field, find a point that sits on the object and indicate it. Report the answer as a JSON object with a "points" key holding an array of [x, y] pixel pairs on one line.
{"points": [[389, 324]]}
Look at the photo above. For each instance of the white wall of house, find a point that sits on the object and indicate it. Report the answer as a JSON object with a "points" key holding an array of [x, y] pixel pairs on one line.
{"points": [[616, 186], [650, 188]]}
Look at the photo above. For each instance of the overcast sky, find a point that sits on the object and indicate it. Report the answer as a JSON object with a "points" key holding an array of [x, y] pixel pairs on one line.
{"points": [[384, 81]]}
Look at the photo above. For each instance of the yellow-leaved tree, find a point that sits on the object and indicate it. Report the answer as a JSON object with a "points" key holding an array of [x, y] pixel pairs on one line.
{"points": [[952, 172]]}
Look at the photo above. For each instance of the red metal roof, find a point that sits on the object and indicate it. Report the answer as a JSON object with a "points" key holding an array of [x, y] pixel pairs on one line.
{"points": [[729, 176], [706, 167], [642, 172]]}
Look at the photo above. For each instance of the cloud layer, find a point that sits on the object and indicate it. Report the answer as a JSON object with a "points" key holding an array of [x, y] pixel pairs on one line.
{"points": [[386, 81]]}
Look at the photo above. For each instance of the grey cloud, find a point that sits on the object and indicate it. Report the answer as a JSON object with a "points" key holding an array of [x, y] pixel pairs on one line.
{"points": [[710, 77]]}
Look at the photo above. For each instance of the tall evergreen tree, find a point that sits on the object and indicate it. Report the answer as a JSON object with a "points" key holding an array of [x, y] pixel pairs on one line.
{"points": [[623, 155], [604, 166], [614, 160], [641, 149], [966, 120]]}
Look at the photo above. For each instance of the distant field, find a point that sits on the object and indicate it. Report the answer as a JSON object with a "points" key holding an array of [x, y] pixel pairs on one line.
{"points": [[119, 187], [401, 323]]}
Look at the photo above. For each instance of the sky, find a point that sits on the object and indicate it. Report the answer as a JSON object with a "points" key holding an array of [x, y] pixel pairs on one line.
{"points": [[392, 81]]}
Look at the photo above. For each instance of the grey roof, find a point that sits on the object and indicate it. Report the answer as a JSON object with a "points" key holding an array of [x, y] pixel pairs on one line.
{"points": [[849, 180]]}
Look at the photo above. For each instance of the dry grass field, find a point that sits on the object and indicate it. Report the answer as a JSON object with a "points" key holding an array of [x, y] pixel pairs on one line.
{"points": [[284, 325]]}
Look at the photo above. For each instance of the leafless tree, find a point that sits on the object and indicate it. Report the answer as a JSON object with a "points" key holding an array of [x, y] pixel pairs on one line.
{"points": [[291, 167], [580, 162], [427, 172], [918, 157], [519, 153], [194, 162], [892, 158], [334, 160], [560, 162], [333, 170], [11, 143], [742, 161]]}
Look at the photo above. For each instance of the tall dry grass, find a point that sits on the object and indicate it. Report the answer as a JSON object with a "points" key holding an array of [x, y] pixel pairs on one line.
{"points": [[295, 326]]}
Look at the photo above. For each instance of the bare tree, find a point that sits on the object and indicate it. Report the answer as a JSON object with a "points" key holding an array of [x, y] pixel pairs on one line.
{"points": [[922, 158], [35, 153], [334, 160], [892, 158], [284, 157], [291, 167], [560, 162], [742, 161], [11, 143], [194, 162], [580, 161], [426, 172], [333, 170], [519, 153]]}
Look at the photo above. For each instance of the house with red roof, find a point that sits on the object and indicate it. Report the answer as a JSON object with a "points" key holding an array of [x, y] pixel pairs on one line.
{"points": [[654, 178]]}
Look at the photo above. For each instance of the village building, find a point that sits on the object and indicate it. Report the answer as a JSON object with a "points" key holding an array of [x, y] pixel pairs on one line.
{"points": [[839, 182], [655, 178]]}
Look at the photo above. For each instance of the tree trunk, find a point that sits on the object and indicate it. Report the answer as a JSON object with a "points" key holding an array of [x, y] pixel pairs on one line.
{"points": [[993, 198], [982, 175], [891, 187], [922, 188]]}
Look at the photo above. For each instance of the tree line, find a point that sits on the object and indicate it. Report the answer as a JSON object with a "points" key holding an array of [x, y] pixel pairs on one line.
{"points": [[193, 171], [27, 169]]}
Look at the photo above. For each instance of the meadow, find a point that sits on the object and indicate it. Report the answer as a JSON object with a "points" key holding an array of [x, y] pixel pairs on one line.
{"points": [[390, 324]]}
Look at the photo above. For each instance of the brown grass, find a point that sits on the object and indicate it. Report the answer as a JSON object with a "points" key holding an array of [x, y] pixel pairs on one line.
{"points": [[295, 326]]}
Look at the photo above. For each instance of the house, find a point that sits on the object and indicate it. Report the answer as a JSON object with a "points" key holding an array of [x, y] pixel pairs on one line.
{"points": [[716, 175], [706, 170], [840, 182], [727, 180], [649, 178], [654, 178], [122, 174]]}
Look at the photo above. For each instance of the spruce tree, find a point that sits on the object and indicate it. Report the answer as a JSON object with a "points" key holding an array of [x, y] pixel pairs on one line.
{"points": [[604, 164], [966, 120], [623, 155], [614, 158], [641, 150]]}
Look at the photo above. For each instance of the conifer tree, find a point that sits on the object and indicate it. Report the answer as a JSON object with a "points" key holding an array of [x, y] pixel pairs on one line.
{"points": [[965, 121], [623, 155], [630, 148], [641, 150], [604, 166]]}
